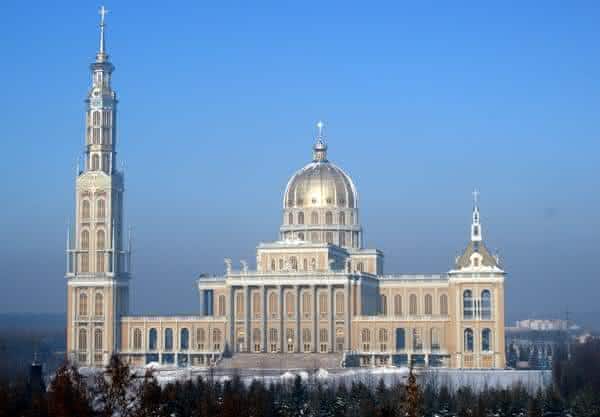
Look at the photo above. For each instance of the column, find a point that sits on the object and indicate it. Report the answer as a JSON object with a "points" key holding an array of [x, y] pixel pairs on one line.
{"points": [[264, 346], [231, 319], [297, 335], [247, 338], [281, 327], [331, 319], [348, 295], [201, 302], [315, 320]]}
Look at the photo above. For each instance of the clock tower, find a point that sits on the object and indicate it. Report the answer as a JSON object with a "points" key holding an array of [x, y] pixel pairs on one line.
{"points": [[97, 263]]}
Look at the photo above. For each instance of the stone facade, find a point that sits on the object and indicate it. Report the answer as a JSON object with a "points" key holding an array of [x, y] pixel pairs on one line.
{"points": [[315, 290]]}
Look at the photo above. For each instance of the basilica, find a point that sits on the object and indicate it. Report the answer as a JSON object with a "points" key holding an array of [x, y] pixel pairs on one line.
{"points": [[316, 292]]}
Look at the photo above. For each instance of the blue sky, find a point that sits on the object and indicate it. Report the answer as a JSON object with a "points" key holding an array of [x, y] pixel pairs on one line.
{"points": [[423, 102]]}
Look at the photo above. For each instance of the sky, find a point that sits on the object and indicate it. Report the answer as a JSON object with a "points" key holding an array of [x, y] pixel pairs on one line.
{"points": [[423, 102]]}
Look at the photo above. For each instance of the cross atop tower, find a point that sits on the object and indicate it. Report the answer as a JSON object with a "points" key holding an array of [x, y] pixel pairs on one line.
{"points": [[101, 57], [475, 197], [102, 12], [320, 126]]}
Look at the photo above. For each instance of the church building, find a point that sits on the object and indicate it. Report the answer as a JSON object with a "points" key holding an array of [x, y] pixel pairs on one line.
{"points": [[316, 292]]}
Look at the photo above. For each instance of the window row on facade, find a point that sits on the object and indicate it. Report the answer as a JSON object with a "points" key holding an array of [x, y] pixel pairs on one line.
{"points": [[205, 339], [384, 340], [315, 218], [84, 344], [86, 209], [477, 307], [415, 308], [289, 306], [485, 340], [84, 307], [306, 342], [99, 161]]}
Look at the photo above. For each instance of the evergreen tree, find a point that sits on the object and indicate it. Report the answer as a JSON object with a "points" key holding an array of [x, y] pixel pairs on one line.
{"points": [[413, 404], [149, 397], [68, 394], [115, 393]]}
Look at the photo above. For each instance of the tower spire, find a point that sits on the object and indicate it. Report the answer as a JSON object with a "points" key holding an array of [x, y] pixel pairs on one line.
{"points": [[320, 148], [102, 56], [476, 224]]}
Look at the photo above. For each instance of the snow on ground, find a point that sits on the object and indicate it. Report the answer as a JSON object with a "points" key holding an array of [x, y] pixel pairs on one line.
{"points": [[453, 378]]}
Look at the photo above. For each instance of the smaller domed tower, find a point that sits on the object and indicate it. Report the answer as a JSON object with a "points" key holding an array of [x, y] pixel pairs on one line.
{"points": [[320, 203]]}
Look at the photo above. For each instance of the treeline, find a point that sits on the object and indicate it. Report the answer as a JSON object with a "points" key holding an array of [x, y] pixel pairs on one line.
{"points": [[116, 392]]}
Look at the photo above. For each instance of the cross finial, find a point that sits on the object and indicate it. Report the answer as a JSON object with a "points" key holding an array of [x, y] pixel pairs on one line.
{"points": [[320, 126], [102, 12], [475, 197]]}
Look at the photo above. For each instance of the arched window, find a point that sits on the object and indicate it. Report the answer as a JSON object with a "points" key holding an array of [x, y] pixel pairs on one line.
{"points": [[486, 340], [96, 118], [342, 218], [239, 304], [444, 305], [412, 307], [323, 304], [289, 333], [397, 305], [222, 309], [383, 335], [486, 305], [383, 301], [291, 218], [305, 264], [137, 339], [294, 263], [99, 305], [301, 235], [85, 240], [428, 304], [216, 336], [313, 264], [328, 218], [85, 262], [306, 304], [98, 339], [168, 339], [273, 304], [289, 304], [339, 302], [280, 264], [256, 304], [184, 339], [301, 217], [83, 304], [365, 336], [467, 305], [200, 338], [82, 339], [323, 339], [273, 265], [342, 238], [329, 237], [101, 208], [314, 218], [95, 162], [339, 339], [306, 339], [152, 339], [360, 267], [400, 339], [468, 340], [417, 339], [100, 244], [273, 335], [256, 339], [85, 209], [435, 339]]}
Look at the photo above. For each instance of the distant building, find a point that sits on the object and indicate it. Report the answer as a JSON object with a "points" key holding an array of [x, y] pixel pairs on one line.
{"points": [[315, 291], [542, 324]]}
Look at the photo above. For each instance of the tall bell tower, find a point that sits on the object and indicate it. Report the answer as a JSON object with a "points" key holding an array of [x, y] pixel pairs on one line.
{"points": [[98, 265]]}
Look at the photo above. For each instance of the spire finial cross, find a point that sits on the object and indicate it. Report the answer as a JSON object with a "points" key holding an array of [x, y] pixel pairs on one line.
{"points": [[102, 12], [320, 126], [475, 197]]}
